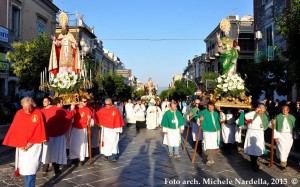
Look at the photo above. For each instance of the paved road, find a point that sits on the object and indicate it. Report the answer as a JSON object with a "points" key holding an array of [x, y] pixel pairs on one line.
{"points": [[144, 162]]}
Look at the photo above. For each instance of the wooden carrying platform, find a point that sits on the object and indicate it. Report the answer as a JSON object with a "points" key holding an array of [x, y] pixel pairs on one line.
{"points": [[232, 104]]}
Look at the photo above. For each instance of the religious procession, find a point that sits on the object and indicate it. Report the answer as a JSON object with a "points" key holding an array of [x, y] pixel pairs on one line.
{"points": [[72, 136]]}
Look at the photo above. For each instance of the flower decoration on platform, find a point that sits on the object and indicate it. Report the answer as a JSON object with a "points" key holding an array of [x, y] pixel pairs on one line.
{"points": [[65, 82], [230, 85]]}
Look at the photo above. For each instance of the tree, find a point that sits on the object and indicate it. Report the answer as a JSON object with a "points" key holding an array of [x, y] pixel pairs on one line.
{"points": [[113, 86], [167, 94], [209, 76], [138, 94], [288, 25], [30, 59], [266, 76]]}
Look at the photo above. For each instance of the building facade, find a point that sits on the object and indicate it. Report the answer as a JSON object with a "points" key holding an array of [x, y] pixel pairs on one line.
{"points": [[267, 37], [21, 21]]}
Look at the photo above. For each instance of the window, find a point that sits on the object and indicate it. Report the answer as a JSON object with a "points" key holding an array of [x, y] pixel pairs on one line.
{"points": [[269, 35], [41, 25], [15, 25], [265, 1], [246, 41]]}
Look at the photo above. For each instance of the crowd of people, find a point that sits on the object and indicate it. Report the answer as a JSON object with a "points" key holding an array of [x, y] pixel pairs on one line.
{"points": [[53, 134]]}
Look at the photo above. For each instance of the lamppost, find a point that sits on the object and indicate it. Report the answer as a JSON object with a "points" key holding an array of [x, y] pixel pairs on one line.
{"points": [[84, 49], [187, 78]]}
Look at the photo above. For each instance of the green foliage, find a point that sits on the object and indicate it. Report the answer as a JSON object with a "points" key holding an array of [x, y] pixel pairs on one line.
{"points": [[113, 86], [288, 25], [180, 91], [209, 76], [138, 94], [169, 93], [267, 76], [29, 59]]}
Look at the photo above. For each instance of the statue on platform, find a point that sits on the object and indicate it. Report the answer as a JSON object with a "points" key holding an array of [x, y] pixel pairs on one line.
{"points": [[149, 88], [64, 53], [228, 48]]}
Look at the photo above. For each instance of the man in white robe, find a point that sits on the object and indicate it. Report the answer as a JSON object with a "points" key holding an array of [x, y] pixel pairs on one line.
{"points": [[228, 130], [173, 126], [153, 116], [26, 133], [139, 113], [210, 124], [255, 142], [165, 106], [193, 116], [283, 135], [79, 149], [111, 121], [129, 113], [58, 121]]}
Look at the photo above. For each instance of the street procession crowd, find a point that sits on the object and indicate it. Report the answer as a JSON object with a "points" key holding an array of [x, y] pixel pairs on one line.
{"points": [[52, 134]]}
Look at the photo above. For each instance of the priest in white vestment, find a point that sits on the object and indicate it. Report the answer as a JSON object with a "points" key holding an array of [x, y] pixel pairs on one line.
{"points": [[153, 115], [129, 113]]}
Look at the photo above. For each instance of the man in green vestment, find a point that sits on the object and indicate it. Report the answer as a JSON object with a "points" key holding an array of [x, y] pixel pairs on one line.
{"points": [[173, 125], [283, 135], [210, 123]]}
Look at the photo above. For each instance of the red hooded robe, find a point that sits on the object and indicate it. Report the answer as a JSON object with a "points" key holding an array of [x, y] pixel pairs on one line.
{"points": [[58, 120], [26, 128], [110, 117]]}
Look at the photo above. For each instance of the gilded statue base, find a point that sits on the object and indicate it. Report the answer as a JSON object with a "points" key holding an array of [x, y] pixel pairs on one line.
{"points": [[73, 97], [242, 101]]}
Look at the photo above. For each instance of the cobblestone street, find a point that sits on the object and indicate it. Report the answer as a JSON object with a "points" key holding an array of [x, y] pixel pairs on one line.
{"points": [[144, 161]]}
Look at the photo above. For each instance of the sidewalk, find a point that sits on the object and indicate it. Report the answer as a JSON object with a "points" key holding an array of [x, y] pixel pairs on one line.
{"points": [[144, 161]]}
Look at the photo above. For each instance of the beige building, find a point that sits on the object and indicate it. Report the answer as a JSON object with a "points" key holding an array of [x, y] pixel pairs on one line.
{"points": [[175, 78], [21, 20]]}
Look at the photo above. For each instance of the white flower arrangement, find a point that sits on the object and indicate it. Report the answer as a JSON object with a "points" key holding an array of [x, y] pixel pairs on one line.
{"points": [[232, 85], [65, 82]]}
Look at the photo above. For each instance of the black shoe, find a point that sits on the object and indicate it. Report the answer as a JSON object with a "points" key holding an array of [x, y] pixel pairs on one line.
{"points": [[56, 168], [80, 163], [45, 168]]}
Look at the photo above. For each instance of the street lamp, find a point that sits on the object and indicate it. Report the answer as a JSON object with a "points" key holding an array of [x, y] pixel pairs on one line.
{"points": [[187, 78], [84, 49]]}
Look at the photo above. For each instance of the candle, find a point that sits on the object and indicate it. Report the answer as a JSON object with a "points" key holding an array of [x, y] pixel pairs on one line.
{"points": [[90, 76], [45, 74], [41, 79]]}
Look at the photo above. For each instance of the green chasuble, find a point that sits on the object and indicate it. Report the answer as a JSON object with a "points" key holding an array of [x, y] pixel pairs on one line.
{"points": [[208, 123], [194, 112], [264, 119], [279, 122], [241, 119], [168, 120]]}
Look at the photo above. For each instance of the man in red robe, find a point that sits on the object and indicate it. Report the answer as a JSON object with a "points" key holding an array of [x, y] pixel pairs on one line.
{"points": [[58, 121], [26, 133], [79, 137], [111, 121]]}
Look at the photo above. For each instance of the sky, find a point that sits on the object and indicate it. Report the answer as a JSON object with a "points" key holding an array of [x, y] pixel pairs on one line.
{"points": [[155, 38]]}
